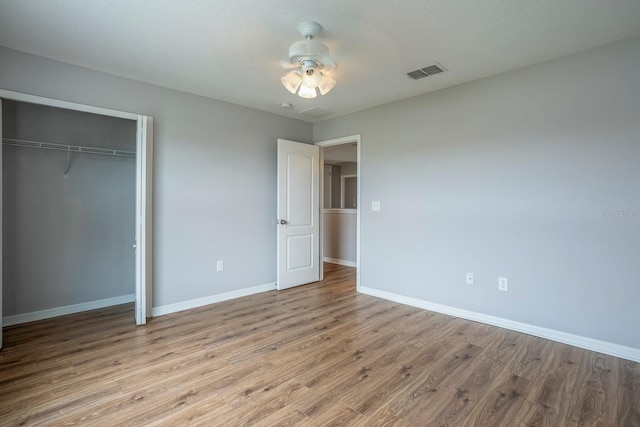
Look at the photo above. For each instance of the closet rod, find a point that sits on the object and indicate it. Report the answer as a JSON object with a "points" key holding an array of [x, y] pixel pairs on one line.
{"points": [[67, 148]]}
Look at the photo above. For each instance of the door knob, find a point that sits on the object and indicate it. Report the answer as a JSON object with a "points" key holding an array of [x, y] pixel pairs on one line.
{"points": [[282, 222]]}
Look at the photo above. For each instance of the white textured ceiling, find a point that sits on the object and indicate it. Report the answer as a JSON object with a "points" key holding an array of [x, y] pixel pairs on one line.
{"points": [[231, 49]]}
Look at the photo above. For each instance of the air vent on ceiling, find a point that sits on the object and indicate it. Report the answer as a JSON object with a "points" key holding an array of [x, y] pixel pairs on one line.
{"points": [[427, 71], [315, 112]]}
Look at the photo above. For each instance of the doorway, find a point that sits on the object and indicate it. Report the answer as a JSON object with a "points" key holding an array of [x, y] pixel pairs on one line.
{"points": [[340, 202]]}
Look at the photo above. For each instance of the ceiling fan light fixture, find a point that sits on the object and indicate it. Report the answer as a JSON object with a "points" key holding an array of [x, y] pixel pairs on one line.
{"points": [[311, 77], [310, 61], [291, 81], [326, 84], [307, 92]]}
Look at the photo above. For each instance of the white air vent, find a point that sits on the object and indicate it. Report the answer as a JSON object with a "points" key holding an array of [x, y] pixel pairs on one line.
{"points": [[315, 112], [427, 71]]}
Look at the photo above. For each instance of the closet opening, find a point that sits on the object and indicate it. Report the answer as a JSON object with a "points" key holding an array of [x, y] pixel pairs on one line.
{"points": [[69, 181], [76, 209]]}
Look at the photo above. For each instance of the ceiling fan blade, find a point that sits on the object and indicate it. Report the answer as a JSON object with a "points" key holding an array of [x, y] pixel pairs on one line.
{"points": [[286, 64], [327, 64]]}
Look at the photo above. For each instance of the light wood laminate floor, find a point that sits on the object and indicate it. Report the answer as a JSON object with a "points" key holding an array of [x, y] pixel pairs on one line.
{"points": [[320, 354]]}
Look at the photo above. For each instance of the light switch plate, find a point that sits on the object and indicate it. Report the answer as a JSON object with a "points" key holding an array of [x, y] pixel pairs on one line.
{"points": [[375, 205]]}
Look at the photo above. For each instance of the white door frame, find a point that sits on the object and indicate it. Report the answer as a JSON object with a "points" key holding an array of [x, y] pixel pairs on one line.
{"points": [[144, 169], [328, 143]]}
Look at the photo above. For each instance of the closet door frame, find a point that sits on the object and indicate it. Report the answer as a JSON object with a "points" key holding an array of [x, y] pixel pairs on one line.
{"points": [[144, 208]]}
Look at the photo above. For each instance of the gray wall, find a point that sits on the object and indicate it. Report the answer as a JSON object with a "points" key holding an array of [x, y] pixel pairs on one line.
{"points": [[339, 235], [351, 192], [350, 185], [349, 168], [214, 174], [532, 175], [66, 240], [337, 171]]}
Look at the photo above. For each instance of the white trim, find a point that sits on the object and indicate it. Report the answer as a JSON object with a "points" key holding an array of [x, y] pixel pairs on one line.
{"points": [[341, 211], [339, 141], [48, 313], [339, 262], [605, 347], [212, 299], [321, 171], [344, 140], [143, 237], [24, 97]]}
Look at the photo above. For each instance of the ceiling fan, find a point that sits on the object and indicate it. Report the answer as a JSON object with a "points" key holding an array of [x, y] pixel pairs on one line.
{"points": [[309, 63]]}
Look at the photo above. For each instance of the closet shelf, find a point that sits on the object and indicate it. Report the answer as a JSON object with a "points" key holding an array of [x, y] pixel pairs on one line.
{"points": [[67, 148]]}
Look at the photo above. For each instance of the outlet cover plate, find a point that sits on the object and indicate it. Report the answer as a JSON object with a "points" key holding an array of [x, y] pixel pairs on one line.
{"points": [[503, 284]]}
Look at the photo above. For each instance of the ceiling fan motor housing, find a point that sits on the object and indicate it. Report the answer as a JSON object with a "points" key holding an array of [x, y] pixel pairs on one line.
{"points": [[307, 50]]}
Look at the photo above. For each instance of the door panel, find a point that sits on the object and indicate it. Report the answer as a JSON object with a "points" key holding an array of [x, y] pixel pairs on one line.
{"points": [[299, 250], [299, 182], [298, 214]]}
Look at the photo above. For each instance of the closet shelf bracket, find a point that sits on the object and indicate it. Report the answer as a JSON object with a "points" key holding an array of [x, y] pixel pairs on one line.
{"points": [[66, 166]]}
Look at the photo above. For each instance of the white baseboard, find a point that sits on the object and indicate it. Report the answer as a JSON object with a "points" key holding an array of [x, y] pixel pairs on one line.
{"points": [[340, 262], [212, 299], [605, 347], [17, 319]]}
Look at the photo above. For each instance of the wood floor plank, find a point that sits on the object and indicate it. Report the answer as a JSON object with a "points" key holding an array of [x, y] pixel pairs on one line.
{"points": [[49, 410], [429, 386], [530, 357], [629, 394], [470, 386], [410, 364], [338, 416], [319, 354], [283, 418], [382, 417], [502, 403], [596, 385], [549, 398]]}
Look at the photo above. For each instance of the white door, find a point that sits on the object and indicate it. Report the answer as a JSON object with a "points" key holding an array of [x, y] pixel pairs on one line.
{"points": [[298, 214], [143, 244]]}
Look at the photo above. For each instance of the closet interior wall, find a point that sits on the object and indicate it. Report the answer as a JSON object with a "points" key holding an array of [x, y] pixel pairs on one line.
{"points": [[67, 240]]}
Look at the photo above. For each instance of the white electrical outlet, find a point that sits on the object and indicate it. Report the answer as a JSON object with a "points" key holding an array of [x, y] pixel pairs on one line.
{"points": [[375, 205], [220, 265], [503, 284], [469, 278]]}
